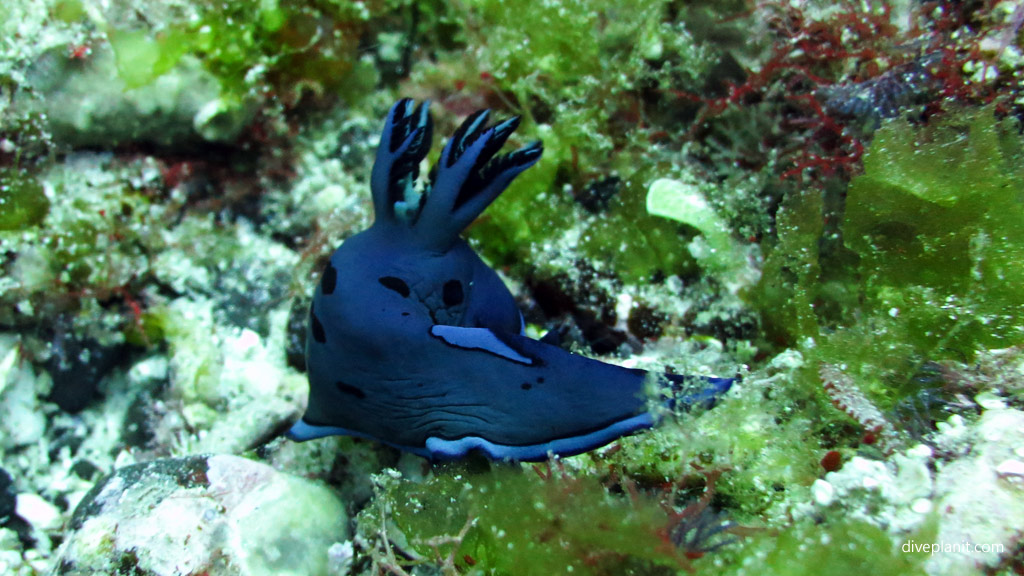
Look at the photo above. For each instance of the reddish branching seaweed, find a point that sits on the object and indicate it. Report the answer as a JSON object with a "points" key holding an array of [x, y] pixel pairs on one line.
{"points": [[698, 528], [831, 77]]}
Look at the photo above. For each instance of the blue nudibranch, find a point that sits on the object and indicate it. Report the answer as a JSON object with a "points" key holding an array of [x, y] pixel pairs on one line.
{"points": [[415, 342]]}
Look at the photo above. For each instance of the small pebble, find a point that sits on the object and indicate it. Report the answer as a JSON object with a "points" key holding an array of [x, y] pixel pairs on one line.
{"points": [[38, 512], [1014, 468], [823, 492]]}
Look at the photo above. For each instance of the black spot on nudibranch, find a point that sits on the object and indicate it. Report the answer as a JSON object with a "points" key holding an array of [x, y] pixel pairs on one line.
{"points": [[329, 281], [452, 293], [396, 284], [318, 329], [526, 385], [350, 390]]}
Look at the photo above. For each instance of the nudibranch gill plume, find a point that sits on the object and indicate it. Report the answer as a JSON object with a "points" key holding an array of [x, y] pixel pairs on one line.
{"points": [[415, 342]]}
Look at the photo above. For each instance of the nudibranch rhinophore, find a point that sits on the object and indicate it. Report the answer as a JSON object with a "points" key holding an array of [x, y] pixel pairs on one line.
{"points": [[415, 342]]}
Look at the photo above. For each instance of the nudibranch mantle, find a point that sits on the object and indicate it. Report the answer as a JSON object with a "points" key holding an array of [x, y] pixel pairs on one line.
{"points": [[413, 341]]}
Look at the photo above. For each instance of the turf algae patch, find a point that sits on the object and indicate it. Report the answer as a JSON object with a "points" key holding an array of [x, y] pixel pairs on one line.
{"points": [[22, 202], [521, 522]]}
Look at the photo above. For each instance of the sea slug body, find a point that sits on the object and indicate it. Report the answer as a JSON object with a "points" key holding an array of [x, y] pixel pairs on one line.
{"points": [[415, 342]]}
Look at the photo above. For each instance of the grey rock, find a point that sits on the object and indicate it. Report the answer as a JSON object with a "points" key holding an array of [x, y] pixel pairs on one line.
{"points": [[209, 514], [87, 104]]}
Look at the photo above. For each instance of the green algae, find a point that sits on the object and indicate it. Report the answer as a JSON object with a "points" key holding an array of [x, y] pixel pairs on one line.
{"points": [[925, 270], [634, 243], [718, 252], [69, 11], [22, 201], [552, 48], [523, 523], [141, 59], [254, 48], [768, 449], [792, 280], [837, 547], [584, 99], [938, 222]]}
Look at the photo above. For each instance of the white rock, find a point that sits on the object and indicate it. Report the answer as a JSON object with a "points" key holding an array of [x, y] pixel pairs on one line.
{"points": [[1013, 468], [989, 400], [979, 505], [823, 492], [340, 556], [38, 512], [922, 506]]}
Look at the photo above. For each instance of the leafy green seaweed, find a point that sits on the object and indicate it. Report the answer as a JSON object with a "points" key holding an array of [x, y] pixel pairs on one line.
{"points": [[928, 268]]}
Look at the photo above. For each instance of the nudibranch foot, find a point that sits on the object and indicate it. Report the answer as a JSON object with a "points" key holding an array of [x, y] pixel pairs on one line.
{"points": [[438, 449], [442, 450]]}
